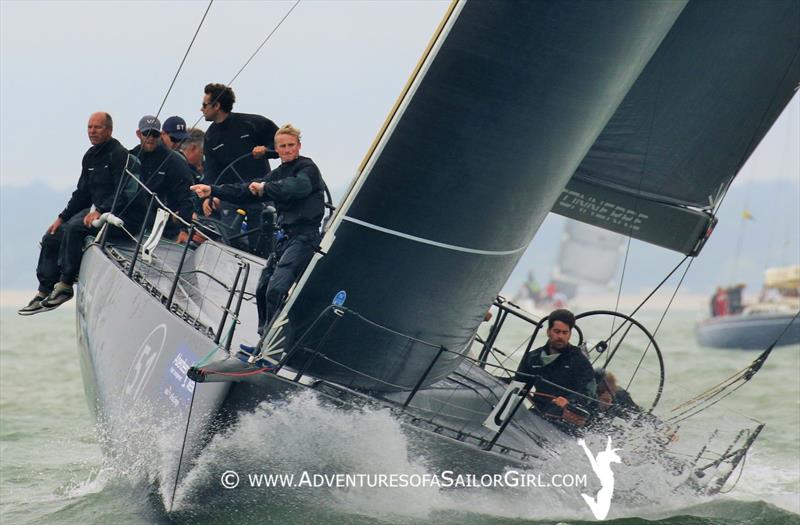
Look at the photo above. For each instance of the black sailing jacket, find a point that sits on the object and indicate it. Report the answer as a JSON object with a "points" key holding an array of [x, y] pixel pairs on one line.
{"points": [[166, 173], [295, 187], [571, 370], [101, 169], [236, 137]]}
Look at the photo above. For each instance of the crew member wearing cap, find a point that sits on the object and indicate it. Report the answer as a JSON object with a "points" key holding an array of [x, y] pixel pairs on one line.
{"points": [[102, 170], [164, 172], [237, 146], [174, 132], [561, 373]]}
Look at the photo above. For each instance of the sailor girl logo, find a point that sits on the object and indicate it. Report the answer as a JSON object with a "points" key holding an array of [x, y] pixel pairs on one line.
{"points": [[601, 465]]}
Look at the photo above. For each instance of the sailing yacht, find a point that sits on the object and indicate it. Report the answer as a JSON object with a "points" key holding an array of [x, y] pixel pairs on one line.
{"points": [[755, 325], [600, 111]]}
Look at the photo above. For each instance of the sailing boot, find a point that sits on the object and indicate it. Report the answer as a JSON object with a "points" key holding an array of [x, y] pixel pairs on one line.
{"points": [[61, 294], [35, 305]]}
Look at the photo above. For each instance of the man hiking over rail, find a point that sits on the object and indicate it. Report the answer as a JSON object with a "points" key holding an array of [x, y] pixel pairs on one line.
{"points": [[62, 245]]}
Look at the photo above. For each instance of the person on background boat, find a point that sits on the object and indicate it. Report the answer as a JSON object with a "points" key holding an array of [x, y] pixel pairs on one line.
{"points": [[102, 168], [237, 146], [174, 132], [167, 174], [734, 294], [297, 189], [560, 372], [720, 302], [531, 289]]}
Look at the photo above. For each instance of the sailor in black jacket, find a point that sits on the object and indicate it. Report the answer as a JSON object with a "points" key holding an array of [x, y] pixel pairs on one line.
{"points": [[164, 172], [236, 146], [102, 168], [296, 187], [234, 137], [561, 373]]}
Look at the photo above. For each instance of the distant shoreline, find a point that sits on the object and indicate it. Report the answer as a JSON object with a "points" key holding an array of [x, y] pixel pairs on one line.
{"points": [[606, 301]]}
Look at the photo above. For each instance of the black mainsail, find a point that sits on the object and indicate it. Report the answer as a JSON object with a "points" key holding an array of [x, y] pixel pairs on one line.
{"points": [[505, 105]]}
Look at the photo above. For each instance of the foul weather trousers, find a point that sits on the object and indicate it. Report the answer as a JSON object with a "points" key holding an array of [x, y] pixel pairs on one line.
{"points": [[61, 253], [292, 255]]}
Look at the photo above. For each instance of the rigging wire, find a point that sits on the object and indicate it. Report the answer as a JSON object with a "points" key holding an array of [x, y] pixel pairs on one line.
{"points": [[183, 449], [169, 90], [264, 42], [746, 374], [649, 296], [194, 37], [252, 56], [660, 321], [743, 376], [745, 154], [183, 60], [622, 277], [637, 200]]}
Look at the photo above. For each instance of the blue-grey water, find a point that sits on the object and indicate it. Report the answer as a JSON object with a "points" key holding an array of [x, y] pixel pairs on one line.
{"points": [[52, 469]]}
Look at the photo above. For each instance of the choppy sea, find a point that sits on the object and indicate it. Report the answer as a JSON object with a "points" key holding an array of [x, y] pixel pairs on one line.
{"points": [[53, 471]]}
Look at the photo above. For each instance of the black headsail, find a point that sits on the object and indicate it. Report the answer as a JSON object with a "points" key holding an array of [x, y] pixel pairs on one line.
{"points": [[711, 92], [505, 105]]}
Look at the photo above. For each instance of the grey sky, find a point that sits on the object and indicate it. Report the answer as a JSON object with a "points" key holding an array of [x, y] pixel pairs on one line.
{"points": [[333, 69]]}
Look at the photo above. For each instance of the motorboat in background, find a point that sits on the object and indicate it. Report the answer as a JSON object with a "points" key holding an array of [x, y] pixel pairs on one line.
{"points": [[755, 326]]}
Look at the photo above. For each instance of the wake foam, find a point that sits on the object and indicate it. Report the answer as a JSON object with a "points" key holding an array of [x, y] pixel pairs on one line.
{"points": [[304, 434]]}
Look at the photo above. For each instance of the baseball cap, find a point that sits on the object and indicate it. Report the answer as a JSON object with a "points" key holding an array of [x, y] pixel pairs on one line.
{"points": [[148, 122], [175, 127]]}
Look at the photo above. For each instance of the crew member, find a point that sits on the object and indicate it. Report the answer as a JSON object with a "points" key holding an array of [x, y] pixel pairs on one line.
{"points": [[296, 187], [561, 373], [167, 174], [192, 150], [237, 146], [720, 302], [612, 399], [102, 168], [174, 132]]}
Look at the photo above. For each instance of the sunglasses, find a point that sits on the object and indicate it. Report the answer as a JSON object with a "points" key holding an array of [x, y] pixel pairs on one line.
{"points": [[151, 133], [206, 104]]}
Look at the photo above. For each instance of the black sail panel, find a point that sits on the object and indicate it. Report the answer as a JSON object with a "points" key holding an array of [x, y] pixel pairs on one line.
{"points": [[711, 92], [505, 107]]}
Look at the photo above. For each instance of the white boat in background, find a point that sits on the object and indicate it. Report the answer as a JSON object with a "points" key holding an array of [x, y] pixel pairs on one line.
{"points": [[755, 326]]}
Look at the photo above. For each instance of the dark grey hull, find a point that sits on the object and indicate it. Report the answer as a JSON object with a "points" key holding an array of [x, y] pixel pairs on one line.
{"points": [[135, 355], [749, 332]]}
